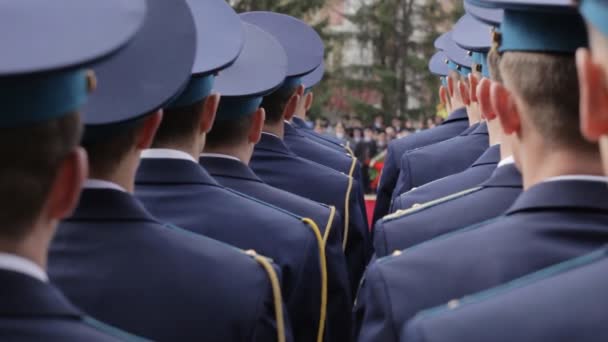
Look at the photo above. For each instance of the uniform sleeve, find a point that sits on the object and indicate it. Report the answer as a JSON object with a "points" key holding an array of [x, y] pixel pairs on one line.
{"points": [[373, 312], [340, 299], [397, 204], [388, 180], [265, 325], [359, 240], [380, 243], [404, 182]]}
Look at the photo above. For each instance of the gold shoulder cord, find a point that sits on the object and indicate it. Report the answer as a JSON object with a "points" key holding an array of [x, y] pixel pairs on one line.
{"points": [[330, 222], [276, 293], [323, 264], [349, 150], [347, 200], [404, 212]]}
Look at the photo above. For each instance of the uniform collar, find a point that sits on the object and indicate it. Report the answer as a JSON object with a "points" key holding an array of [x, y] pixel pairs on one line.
{"points": [[290, 130], [223, 167], [567, 193], [110, 205], [489, 157], [588, 178], [507, 161], [166, 153], [470, 130], [219, 155], [16, 263], [457, 115], [92, 183], [25, 296], [299, 123], [271, 142], [506, 176], [172, 171]]}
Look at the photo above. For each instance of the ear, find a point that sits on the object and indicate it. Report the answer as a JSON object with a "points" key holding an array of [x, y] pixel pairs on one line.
{"points": [[146, 133], [505, 108], [473, 82], [484, 100], [212, 103], [464, 93], [257, 125], [292, 105], [444, 98], [66, 187], [593, 96], [308, 101]]}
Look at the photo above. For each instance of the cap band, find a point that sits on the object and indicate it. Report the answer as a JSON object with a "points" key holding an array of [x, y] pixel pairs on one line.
{"points": [[444, 81], [232, 108], [481, 59], [31, 99], [198, 88], [536, 31], [596, 12], [464, 71]]}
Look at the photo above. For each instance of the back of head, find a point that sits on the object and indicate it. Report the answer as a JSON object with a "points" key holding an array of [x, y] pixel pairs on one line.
{"points": [[179, 125], [31, 157], [229, 133], [275, 104], [547, 86]]}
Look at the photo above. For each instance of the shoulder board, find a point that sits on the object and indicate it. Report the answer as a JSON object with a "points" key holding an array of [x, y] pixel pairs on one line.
{"points": [[517, 283], [112, 331], [264, 203], [402, 213]]}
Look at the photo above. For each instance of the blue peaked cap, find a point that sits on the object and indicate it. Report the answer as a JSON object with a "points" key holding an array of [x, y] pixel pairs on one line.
{"points": [[47, 45], [552, 26], [312, 79], [596, 12], [489, 16], [438, 65], [259, 70], [303, 45], [220, 38], [147, 74]]}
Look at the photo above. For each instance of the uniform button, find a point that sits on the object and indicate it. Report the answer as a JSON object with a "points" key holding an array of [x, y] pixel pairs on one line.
{"points": [[416, 205], [397, 253], [453, 304]]}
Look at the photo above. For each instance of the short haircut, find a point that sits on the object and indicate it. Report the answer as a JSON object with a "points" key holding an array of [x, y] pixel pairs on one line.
{"points": [[179, 125], [494, 65], [229, 132], [548, 86], [31, 157], [106, 154], [275, 103]]}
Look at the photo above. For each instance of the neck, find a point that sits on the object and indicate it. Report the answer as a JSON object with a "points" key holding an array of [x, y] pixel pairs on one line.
{"points": [[539, 163], [123, 174], [495, 132], [34, 246], [275, 128], [473, 113], [243, 153]]}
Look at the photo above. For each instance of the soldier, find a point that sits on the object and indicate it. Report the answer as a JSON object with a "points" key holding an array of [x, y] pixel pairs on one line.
{"points": [[432, 162], [43, 84], [476, 204], [174, 187], [525, 310], [114, 259], [456, 123], [278, 166], [260, 68], [465, 34], [561, 214]]}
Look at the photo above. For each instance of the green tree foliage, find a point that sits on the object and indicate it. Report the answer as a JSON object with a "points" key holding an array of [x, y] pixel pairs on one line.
{"points": [[400, 35]]}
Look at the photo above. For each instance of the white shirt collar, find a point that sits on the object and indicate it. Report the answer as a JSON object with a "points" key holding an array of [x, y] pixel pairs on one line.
{"points": [[166, 153], [102, 184], [15, 263], [507, 161], [220, 155], [272, 134], [588, 178]]}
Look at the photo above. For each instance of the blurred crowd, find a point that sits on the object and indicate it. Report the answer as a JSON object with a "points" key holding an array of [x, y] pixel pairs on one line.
{"points": [[369, 142]]}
